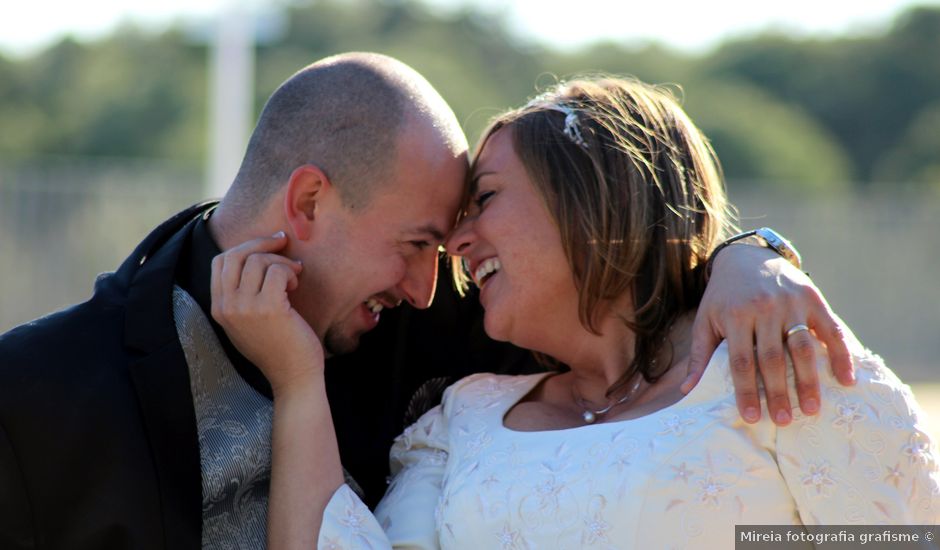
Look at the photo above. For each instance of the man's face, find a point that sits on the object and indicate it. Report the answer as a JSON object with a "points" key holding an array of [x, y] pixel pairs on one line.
{"points": [[386, 252]]}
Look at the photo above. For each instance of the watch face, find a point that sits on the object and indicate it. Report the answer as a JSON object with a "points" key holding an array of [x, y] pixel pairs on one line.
{"points": [[775, 241]]}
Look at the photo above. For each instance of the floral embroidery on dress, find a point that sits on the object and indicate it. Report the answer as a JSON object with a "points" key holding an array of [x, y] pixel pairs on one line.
{"points": [[682, 473], [894, 475], [874, 365], [818, 478], [674, 425], [509, 538], [624, 459], [347, 523], [477, 443], [847, 414], [918, 449], [352, 520], [547, 491], [595, 530], [710, 491]]}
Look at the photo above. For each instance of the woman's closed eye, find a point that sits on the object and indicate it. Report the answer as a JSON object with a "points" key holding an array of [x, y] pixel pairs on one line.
{"points": [[482, 197]]}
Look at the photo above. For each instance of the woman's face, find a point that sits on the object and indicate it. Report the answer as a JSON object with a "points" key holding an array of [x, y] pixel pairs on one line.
{"points": [[513, 248]]}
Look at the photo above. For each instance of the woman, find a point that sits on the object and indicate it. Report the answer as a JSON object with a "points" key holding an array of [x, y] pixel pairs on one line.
{"points": [[592, 212]]}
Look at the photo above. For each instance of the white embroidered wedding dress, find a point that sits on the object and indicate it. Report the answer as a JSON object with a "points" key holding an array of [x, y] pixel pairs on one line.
{"points": [[681, 477]]}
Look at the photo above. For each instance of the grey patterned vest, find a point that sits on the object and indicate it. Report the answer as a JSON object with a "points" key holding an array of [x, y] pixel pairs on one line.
{"points": [[233, 422]]}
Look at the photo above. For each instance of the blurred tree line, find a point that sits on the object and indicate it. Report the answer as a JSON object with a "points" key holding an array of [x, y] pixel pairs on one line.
{"points": [[815, 114]]}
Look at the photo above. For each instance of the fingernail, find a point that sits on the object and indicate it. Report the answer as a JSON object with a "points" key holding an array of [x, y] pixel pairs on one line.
{"points": [[783, 416], [751, 414], [810, 406], [278, 235]]}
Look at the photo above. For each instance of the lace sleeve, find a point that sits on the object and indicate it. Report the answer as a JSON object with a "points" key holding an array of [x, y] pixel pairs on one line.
{"points": [[866, 458], [417, 460], [405, 518]]}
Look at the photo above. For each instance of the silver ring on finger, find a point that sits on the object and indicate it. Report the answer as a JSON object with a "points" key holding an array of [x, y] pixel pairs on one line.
{"points": [[796, 328]]}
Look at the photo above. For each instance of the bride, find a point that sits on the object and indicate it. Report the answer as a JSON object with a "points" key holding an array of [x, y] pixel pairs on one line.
{"points": [[591, 214]]}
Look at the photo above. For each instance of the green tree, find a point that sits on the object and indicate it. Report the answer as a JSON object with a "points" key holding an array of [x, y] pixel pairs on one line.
{"points": [[812, 113], [916, 157], [753, 134]]}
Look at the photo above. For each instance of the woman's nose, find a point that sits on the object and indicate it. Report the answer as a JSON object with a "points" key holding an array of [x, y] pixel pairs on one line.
{"points": [[460, 239]]}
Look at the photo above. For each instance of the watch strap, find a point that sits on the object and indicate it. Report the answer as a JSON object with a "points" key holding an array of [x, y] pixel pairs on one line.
{"points": [[764, 237]]}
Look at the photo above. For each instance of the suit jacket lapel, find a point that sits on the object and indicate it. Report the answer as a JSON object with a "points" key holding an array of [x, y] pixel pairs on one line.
{"points": [[161, 379]]}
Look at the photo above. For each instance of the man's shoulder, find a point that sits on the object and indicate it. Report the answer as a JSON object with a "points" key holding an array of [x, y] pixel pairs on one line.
{"points": [[96, 325], [73, 334]]}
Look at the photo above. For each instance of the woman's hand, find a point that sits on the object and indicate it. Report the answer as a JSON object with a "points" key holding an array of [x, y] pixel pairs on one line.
{"points": [[250, 286], [753, 298]]}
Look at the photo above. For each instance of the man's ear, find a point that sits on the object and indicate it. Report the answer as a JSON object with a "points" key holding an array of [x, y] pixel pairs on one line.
{"points": [[307, 188]]}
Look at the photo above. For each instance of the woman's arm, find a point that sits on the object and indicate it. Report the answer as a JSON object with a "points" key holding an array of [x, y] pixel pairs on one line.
{"points": [[305, 466], [250, 284], [407, 511], [309, 505]]}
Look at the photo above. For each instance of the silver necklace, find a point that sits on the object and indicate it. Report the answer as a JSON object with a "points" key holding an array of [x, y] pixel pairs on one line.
{"points": [[590, 415]]}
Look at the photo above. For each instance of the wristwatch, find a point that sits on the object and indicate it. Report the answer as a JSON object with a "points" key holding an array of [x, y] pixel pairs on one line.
{"points": [[764, 237]]}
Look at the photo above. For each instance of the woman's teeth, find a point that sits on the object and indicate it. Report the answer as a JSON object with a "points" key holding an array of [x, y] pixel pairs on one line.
{"points": [[488, 267], [373, 305]]}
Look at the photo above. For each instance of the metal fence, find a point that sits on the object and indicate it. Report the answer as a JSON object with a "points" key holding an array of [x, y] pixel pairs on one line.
{"points": [[62, 221]]}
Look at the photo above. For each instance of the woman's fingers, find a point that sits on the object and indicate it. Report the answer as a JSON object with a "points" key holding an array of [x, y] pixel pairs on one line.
{"points": [[238, 275], [250, 285], [773, 369], [704, 342], [279, 279], [802, 348], [740, 339], [256, 268], [829, 329], [233, 259]]}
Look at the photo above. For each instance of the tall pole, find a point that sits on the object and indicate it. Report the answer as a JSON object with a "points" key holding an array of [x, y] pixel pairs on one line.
{"points": [[231, 91]]}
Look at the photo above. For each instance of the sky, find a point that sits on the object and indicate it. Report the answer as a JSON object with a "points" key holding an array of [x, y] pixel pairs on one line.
{"points": [[27, 26]]}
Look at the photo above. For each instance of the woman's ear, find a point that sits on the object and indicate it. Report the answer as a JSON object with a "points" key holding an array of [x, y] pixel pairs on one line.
{"points": [[306, 189]]}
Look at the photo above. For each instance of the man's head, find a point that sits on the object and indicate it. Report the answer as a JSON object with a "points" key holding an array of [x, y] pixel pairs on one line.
{"points": [[363, 164]]}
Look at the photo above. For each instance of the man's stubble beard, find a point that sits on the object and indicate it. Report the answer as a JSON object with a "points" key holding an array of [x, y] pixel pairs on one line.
{"points": [[337, 343]]}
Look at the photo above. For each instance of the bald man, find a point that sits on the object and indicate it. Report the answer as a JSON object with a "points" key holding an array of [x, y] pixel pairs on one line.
{"points": [[131, 421]]}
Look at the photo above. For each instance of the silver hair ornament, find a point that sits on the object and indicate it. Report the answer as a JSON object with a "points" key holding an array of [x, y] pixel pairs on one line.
{"points": [[573, 128], [572, 122]]}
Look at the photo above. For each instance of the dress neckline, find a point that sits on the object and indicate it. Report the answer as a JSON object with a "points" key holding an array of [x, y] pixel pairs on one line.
{"points": [[711, 376]]}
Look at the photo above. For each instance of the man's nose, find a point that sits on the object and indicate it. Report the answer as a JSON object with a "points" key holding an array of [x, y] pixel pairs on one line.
{"points": [[420, 279]]}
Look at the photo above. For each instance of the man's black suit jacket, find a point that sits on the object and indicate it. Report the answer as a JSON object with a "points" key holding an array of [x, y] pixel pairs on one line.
{"points": [[98, 445]]}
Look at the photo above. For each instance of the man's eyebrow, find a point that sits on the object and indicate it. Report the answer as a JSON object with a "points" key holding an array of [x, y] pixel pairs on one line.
{"points": [[431, 230]]}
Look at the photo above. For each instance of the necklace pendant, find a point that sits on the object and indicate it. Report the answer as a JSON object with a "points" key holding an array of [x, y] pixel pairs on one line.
{"points": [[589, 417]]}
